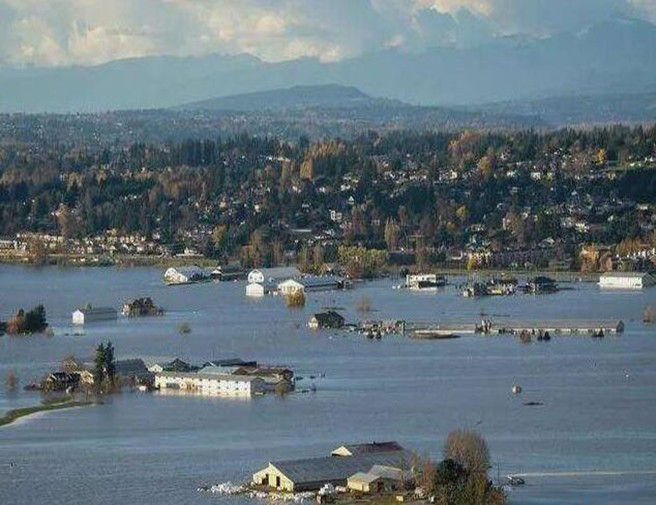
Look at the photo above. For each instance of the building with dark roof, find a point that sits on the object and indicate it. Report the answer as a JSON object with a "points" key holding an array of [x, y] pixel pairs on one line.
{"points": [[312, 473]]}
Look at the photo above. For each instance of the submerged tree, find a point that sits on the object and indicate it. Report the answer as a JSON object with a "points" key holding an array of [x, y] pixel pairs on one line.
{"points": [[469, 449]]}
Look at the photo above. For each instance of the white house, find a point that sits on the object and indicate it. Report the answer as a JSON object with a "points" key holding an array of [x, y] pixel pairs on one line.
{"points": [[210, 383], [261, 275], [257, 289], [92, 314], [626, 280], [310, 284], [184, 275]]}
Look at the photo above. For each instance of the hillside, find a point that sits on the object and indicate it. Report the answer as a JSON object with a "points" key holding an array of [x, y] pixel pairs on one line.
{"points": [[330, 96]]}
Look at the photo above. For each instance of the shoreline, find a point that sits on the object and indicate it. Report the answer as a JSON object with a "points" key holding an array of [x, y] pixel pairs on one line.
{"points": [[21, 413], [72, 261]]}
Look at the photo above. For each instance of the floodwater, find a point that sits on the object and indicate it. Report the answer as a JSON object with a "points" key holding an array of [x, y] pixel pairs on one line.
{"points": [[592, 441]]}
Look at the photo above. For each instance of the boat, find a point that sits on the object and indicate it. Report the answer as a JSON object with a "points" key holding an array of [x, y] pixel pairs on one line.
{"points": [[514, 481], [423, 282], [433, 335]]}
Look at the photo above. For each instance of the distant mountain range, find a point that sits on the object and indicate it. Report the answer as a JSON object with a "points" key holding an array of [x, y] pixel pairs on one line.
{"points": [[329, 96], [612, 59], [581, 109]]}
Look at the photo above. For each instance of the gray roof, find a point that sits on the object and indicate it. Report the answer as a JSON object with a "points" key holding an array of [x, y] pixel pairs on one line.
{"points": [[310, 282], [98, 310], [211, 376], [373, 447], [191, 271], [334, 468], [279, 272], [387, 472], [626, 274]]}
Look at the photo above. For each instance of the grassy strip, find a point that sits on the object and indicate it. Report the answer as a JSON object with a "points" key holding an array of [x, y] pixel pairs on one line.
{"points": [[12, 415]]}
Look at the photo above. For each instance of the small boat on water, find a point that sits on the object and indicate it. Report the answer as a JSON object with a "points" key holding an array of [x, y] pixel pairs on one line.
{"points": [[429, 334], [514, 481], [423, 282]]}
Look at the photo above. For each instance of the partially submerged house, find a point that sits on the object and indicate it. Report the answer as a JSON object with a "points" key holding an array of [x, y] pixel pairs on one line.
{"points": [[312, 473], [185, 275], [90, 314], [329, 319], [273, 275], [229, 272], [379, 479], [308, 284], [176, 365], [259, 289]]}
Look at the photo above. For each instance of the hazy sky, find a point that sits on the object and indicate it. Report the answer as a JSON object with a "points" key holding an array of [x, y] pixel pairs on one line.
{"points": [[66, 32]]}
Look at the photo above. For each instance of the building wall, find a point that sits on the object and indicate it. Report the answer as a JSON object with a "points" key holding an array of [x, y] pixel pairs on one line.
{"points": [[255, 290], [290, 287], [219, 387], [621, 282], [269, 477]]}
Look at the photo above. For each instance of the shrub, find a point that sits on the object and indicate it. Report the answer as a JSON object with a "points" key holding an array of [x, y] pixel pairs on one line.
{"points": [[525, 337], [184, 328]]}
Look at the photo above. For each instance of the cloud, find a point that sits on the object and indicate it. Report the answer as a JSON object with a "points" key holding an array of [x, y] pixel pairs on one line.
{"points": [[67, 32]]}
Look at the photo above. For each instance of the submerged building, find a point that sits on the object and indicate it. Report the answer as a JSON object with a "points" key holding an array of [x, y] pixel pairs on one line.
{"points": [[626, 280], [345, 462], [91, 314]]}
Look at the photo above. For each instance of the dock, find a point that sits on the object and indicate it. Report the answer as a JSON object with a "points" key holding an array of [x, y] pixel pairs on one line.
{"points": [[553, 327]]}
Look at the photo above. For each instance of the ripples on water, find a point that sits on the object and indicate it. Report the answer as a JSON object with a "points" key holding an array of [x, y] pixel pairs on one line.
{"points": [[599, 410]]}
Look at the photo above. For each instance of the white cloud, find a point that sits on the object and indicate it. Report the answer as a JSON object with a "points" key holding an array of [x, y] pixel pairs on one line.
{"points": [[65, 32]]}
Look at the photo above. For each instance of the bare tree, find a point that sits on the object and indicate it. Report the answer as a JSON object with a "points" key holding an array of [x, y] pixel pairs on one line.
{"points": [[469, 449], [12, 381]]}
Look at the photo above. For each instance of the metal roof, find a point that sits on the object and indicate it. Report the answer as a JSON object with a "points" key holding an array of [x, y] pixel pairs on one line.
{"points": [[335, 468], [373, 447], [210, 376], [278, 272], [631, 275], [97, 310]]}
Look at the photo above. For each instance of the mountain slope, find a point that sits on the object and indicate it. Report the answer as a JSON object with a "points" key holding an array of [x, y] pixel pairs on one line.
{"points": [[297, 97]]}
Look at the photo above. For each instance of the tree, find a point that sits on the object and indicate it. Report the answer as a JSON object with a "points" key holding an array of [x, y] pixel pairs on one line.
{"points": [[99, 361], [469, 449], [12, 381], [110, 364], [318, 257], [296, 299], [392, 231]]}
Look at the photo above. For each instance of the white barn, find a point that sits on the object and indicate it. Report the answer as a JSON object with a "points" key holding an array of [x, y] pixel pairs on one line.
{"points": [[626, 280], [92, 314], [257, 289]]}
